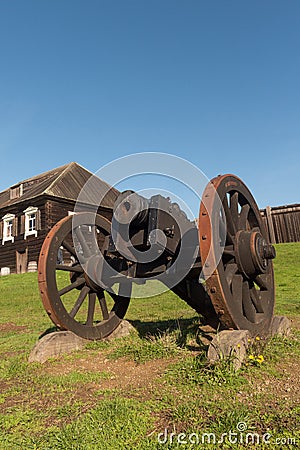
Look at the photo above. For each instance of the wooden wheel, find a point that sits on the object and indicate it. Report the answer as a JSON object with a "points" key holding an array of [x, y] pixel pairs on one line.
{"points": [[71, 298], [236, 256]]}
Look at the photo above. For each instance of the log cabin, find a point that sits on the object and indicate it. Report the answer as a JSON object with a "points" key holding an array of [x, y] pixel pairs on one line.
{"points": [[30, 208]]}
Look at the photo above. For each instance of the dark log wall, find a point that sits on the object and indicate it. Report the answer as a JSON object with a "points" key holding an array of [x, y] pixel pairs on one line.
{"points": [[31, 245], [52, 210]]}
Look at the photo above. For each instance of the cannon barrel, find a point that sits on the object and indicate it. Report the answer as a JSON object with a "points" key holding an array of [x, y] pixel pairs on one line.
{"points": [[131, 207]]}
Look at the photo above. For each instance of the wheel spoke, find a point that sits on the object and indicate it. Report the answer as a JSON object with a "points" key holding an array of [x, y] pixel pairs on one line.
{"points": [[237, 288], [85, 248], [256, 300], [94, 243], [83, 293], [76, 284], [91, 309], [66, 268], [229, 251], [248, 307], [103, 305], [243, 217], [229, 238], [234, 201], [230, 270], [229, 222], [262, 281], [69, 248], [222, 232]]}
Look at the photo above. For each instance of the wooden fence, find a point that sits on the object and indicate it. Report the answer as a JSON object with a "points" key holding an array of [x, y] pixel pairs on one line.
{"points": [[283, 223]]}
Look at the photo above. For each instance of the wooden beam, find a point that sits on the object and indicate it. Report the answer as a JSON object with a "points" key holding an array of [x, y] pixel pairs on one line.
{"points": [[270, 225]]}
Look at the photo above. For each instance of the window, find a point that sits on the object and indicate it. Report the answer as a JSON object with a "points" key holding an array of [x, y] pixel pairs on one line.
{"points": [[16, 191], [9, 228], [32, 221]]}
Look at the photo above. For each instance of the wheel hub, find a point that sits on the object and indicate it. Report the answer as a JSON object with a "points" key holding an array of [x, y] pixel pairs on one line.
{"points": [[253, 253]]}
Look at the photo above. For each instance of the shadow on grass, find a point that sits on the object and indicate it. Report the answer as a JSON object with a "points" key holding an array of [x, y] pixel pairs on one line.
{"points": [[48, 331], [185, 328]]}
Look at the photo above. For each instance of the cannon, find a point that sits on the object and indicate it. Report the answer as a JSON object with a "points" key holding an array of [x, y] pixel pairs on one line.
{"points": [[220, 265]]}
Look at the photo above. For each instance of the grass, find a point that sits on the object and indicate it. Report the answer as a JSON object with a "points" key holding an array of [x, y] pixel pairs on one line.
{"points": [[131, 392], [287, 279], [142, 350]]}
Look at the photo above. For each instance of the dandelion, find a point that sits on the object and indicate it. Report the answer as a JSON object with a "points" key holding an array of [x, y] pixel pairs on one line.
{"points": [[260, 359]]}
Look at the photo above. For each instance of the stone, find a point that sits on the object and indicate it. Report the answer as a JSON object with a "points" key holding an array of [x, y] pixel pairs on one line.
{"points": [[55, 344], [231, 344], [124, 329], [280, 325], [62, 342], [205, 335]]}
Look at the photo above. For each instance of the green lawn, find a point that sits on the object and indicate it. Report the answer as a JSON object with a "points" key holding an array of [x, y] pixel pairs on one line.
{"points": [[133, 393], [287, 278]]}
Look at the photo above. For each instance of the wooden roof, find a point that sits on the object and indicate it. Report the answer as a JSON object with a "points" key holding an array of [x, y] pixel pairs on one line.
{"points": [[64, 182]]}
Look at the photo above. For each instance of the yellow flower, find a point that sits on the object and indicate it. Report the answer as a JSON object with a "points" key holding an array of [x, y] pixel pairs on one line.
{"points": [[251, 356], [260, 359], [257, 338], [239, 346]]}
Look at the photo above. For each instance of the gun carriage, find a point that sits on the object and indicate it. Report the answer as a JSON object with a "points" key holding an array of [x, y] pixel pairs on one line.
{"points": [[222, 266]]}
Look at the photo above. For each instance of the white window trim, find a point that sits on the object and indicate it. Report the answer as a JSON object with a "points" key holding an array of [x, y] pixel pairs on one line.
{"points": [[30, 210], [7, 218]]}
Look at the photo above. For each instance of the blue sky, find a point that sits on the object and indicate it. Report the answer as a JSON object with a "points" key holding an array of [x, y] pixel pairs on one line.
{"points": [[215, 82]]}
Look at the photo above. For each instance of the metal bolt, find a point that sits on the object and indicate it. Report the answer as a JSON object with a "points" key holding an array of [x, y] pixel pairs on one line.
{"points": [[269, 251]]}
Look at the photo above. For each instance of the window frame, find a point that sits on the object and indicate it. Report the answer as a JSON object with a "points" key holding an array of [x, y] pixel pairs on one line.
{"points": [[28, 212], [5, 220]]}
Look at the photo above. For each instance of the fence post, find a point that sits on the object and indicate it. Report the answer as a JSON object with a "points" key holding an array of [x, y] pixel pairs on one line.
{"points": [[270, 225]]}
